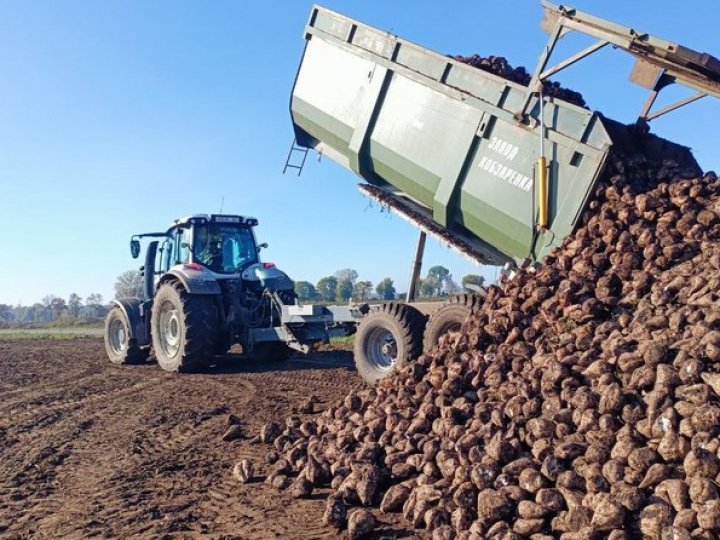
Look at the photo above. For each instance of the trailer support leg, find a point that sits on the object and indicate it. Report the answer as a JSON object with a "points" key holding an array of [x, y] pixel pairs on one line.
{"points": [[417, 267]]}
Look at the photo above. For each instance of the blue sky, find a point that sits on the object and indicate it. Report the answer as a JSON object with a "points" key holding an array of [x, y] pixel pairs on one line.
{"points": [[116, 117]]}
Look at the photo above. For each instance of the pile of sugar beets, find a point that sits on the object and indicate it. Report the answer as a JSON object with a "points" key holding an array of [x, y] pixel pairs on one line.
{"points": [[498, 65], [581, 400]]}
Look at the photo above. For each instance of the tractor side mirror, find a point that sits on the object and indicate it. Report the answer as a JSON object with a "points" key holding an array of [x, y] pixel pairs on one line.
{"points": [[135, 248], [262, 246]]}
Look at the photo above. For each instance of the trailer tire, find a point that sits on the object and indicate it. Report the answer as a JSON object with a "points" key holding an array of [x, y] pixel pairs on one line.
{"points": [[386, 339], [184, 328], [449, 318], [120, 347], [271, 352]]}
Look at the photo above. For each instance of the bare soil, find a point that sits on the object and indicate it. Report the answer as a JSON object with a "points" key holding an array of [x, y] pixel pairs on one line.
{"points": [[89, 449]]}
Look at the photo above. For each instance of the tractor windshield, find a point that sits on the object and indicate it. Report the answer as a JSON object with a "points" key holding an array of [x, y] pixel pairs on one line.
{"points": [[224, 248]]}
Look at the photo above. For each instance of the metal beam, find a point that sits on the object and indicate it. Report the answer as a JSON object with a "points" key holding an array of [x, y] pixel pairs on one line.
{"points": [[572, 59], [535, 82], [417, 267], [663, 80], [649, 102], [694, 69], [675, 105]]}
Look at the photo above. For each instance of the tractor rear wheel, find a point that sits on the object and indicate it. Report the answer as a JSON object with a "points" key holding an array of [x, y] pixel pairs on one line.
{"points": [[184, 328], [449, 318], [386, 339], [120, 347]]}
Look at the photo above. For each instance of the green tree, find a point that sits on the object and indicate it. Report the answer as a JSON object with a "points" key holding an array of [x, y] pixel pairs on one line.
{"points": [[362, 290], [348, 274], [95, 299], [441, 275], [57, 306], [74, 304], [94, 305], [129, 284], [472, 279], [7, 313], [429, 286], [305, 291], [20, 313], [38, 313], [451, 287], [343, 290], [386, 289], [326, 288]]}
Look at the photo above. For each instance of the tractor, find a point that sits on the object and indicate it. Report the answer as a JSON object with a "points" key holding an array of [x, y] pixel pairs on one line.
{"points": [[206, 289]]}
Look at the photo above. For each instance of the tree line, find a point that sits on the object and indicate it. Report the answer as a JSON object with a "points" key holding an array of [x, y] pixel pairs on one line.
{"points": [[73, 309], [344, 285], [341, 286], [53, 308]]}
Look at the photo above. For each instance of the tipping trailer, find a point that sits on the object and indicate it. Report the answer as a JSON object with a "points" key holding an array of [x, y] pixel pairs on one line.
{"points": [[493, 168]]}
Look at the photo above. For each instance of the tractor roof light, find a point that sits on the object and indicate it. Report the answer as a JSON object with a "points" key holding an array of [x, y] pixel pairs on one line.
{"points": [[193, 266], [227, 219], [268, 265]]}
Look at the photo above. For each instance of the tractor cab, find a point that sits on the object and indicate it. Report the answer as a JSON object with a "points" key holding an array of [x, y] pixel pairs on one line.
{"points": [[222, 244]]}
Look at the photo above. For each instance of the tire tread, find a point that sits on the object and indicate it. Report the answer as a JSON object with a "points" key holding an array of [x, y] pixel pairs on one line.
{"points": [[463, 304], [200, 317], [412, 326]]}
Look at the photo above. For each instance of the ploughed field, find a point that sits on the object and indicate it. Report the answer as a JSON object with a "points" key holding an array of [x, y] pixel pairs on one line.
{"points": [[89, 449]]}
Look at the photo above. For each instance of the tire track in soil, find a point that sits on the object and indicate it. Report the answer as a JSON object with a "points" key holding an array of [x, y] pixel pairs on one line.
{"points": [[47, 437], [33, 421], [88, 449], [26, 376], [109, 488]]}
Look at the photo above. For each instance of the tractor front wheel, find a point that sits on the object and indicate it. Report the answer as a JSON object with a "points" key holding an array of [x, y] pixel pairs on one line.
{"points": [[184, 328], [120, 347]]}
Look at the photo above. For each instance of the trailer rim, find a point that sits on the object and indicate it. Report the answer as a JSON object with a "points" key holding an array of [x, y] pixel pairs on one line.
{"points": [[381, 349]]}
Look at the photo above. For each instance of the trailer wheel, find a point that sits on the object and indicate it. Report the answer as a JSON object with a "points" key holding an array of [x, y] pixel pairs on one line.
{"points": [[120, 347], [184, 328], [449, 318], [271, 352], [386, 339]]}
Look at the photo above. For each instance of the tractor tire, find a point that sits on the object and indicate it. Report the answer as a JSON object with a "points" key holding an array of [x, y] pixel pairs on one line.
{"points": [[184, 328], [271, 352], [449, 318], [387, 339], [120, 347]]}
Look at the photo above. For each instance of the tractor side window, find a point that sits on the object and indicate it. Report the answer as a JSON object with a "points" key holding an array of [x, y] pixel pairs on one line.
{"points": [[183, 249], [166, 254]]}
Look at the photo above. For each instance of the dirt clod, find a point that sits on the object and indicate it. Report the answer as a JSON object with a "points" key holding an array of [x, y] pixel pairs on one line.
{"points": [[361, 522], [232, 433], [243, 471]]}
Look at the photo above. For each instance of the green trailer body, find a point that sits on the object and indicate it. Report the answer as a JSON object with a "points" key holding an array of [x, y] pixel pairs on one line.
{"points": [[457, 145]]}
